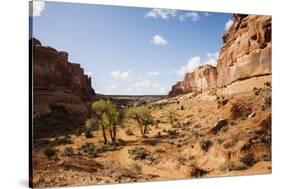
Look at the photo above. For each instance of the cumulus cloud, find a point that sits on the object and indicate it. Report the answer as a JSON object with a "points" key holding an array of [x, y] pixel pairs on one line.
{"points": [[120, 75], [193, 16], [212, 58], [161, 13], [228, 24], [153, 73], [193, 63], [38, 7], [196, 61], [159, 40]]}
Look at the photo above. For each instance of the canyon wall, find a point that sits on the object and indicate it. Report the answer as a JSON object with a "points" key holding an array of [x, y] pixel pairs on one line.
{"points": [[201, 79], [61, 91], [244, 61]]}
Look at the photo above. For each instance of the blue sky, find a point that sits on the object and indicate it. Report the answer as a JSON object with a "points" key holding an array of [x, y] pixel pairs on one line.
{"points": [[131, 50]]}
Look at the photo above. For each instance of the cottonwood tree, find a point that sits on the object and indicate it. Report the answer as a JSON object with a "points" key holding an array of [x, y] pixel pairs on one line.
{"points": [[142, 116], [172, 117], [107, 117]]}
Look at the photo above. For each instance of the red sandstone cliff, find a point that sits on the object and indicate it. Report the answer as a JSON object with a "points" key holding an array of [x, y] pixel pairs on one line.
{"points": [[201, 79], [61, 91], [244, 61]]}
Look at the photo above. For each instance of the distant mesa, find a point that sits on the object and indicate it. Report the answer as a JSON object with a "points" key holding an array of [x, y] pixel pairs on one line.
{"points": [[244, 61]]}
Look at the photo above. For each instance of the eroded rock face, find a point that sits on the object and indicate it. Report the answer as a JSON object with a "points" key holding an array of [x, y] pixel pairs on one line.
{"points": [[61, 91], [244, 61], [246, 52], [200, 80]]}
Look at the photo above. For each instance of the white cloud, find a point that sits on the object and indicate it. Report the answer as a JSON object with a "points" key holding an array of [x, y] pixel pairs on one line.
{"points": [[38, 7], [161, 13], [196, 61], [120, 75], [147, 84], [193, 16], [212, 58], [228, 24], [193, 63], [158, 40], [88, 73], [153, 73]]}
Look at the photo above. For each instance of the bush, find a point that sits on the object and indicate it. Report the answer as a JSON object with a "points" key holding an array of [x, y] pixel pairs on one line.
{"points": [[78, 132], [68, 151], [134, 169], [232, 166], [138, 153], [62, 140], [88, 133], [88, 148], [182, 107], [205, 144], [129, 132], [50, 152]]}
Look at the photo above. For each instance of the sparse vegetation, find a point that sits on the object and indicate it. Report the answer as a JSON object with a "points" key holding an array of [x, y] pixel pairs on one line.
{"points": [[205, 144], [107, 118], [172, 117], [68, 151], [142, 116], [50, 152], [230, 165]]}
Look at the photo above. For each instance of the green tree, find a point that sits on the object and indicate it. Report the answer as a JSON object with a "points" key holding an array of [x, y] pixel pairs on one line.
{"points": [[142, 116], [99, 108], [172, 117], [108, 118]]}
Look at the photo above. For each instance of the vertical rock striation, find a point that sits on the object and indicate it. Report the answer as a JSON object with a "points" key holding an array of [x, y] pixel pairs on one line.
{"points": [[61, 91], [244, 61]]}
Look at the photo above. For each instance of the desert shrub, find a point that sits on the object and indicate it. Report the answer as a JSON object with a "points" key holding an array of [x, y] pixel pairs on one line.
{"points": [[248, 160], [160, 150], [267, 85], [78, 132], [229, 144], [88, 148], [178, 102], [88, 133], [197, 172], [230, 165], [134, 169], [138, 153], [50, 152], [62, 140], [182, 107], [68, 151], [267, 100], [205, 144], [129, 132]]}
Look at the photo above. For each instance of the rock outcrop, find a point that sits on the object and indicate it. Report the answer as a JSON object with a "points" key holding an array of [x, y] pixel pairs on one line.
{"points": [[244, 61], [61, 91], [245, 54], [201, 79]]}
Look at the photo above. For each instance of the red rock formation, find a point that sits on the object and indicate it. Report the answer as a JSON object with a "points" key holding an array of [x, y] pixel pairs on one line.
{"points": [[60, 90], [244, 61], [245, 54], [201, 79]]}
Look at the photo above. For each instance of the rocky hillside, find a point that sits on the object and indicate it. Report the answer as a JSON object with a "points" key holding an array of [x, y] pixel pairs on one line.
{"points": [[60, 90], [244, 61]]}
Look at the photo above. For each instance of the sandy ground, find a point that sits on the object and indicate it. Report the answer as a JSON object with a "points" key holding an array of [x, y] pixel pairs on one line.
{"points": [[242, 146]]}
